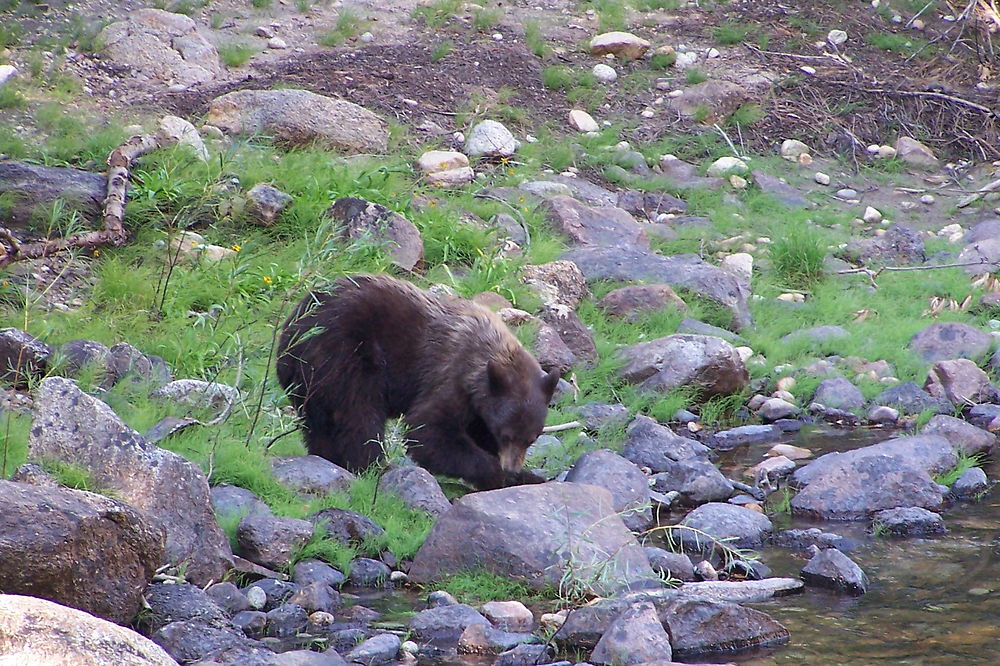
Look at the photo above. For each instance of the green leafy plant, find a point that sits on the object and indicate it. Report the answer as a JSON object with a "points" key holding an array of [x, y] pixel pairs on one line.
{"points": [[797, 254], [236, 54], [442, 50], [694, 76], [729, 34]]}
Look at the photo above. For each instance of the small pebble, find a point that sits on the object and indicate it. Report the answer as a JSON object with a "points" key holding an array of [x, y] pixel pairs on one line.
{"points": [[821, 178]]}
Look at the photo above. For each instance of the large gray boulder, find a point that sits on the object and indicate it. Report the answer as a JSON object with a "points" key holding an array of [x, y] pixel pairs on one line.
{"points": [[635, 637], [76, 428], [163, 46], [23, 357], [623, 479], [34, 188], [537, 534], [76, 548], [964, 437], [737, 526], [39, 632], [698, 626], [416, 487], [683, 272], [710, 365], [653, 445], [839, 393], [855, 484], [948, 340], [959, 381], [299, 117]]}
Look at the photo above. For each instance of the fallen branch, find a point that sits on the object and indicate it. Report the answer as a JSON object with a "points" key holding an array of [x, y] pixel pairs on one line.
{"points": [[873, 274], [562, 426], [112, 232]]}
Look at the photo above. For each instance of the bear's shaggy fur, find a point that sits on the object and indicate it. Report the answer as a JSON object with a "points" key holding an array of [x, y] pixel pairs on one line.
{"points": [[374, 347]]}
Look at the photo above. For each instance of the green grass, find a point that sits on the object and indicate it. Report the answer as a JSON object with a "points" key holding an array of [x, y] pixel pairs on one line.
{"points": [[535, 39], [729, 34], [487, 18], [236, 54], [902, 44], [478, 587], [11, 97], [349, 24], [662, 61], [436, 14], [442, 50], [746, 115], [964, 464], [797, 255], [260, 4], [694, 76]]}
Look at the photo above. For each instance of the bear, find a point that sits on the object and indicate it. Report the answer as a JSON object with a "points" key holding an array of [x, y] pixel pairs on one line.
{"points": [[373, 347]]}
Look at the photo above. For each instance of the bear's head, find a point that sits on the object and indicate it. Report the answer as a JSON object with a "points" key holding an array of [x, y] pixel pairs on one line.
{"points": [[517, 403]]}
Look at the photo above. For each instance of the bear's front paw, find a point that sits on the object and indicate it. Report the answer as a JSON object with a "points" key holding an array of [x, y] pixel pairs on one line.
{"points": [[523, 477]]}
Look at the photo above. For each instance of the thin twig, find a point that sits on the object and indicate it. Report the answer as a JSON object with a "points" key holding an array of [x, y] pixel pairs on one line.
{"points": [[562, 426]]}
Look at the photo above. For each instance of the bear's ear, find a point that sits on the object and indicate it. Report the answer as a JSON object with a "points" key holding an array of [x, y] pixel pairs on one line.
{"points": [[549, 382], [497, 374]]}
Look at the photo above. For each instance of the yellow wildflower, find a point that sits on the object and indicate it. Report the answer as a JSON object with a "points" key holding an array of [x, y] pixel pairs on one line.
{"points": [[235, 247], [267, 279], [97, 253]]}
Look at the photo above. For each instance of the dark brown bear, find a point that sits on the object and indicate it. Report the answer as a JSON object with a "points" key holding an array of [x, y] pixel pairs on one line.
{"points": [[373, 347]]}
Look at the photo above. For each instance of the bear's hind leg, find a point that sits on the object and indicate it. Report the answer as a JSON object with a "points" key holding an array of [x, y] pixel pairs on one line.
{"points": [[349, 435]]}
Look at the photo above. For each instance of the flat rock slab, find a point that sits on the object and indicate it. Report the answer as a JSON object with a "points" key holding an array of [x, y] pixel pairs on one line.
{"points": [[586, 225], [35, 188], [727, 440], [687, 272], [299, 117], [534, 533], [699, 626], [654, 445], [76, 428], [36, 631]]}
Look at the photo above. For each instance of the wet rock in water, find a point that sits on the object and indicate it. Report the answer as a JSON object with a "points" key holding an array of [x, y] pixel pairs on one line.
{"points": [[188, 641], [376, 651], [636, 636], [910, 399], [650, 444], [416, 487], [959, 381], [839, 393], [964, 437], [315, 571], [526, 654], [737, 526], [727, 440], [908, 521], [286, 620], [777, 409], [673, 565], [22, 357], [816, 335], [883, 415], [366, 572], [799, 539], [76, 548], [74, 427], [769, 470], [271, 541], [832, 569], [370, 222], [443, 626], [972, 482], [170, 602], [347, 527], [949, 340], [632, 302], [230, 500], [509, 616], [316, 596], [854, 484], [623, 479], [298, 117], [37, 632], [482, 639], [228, 597], [700, 626], [695, 479], [504, 532], [440, 598], [708, 364]]}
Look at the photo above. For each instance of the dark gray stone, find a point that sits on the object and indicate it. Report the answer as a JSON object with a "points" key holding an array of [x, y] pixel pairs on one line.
{"points": [[900, 245], [696, 479], [832, 569], [276, 592], [949, 340], [695, 327], [316, 596], [623, 479], [188, 641], [230, 500], [311, 475], [909, 398], [525, 654], [347, 527], [271, 541], [125, 362], [727, 440], [374, 223], [737, 526], [673, 565], [786, 195], [314, 571], [817, 335], [650, 444], [588, 226], [76, 355], [972, 483], [251, 623], [650, 204], [376, 651], [908, 521], [984, 230], [699, 626], [799, 539], [286, 620], [982, 416], [36, 188], [443, 626], [22, 356], [964, 437], [416, 487], [634, 637], [839, 393], [170, 602], [366, 572], [228, 597], [598, 415], [481, 639]]}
